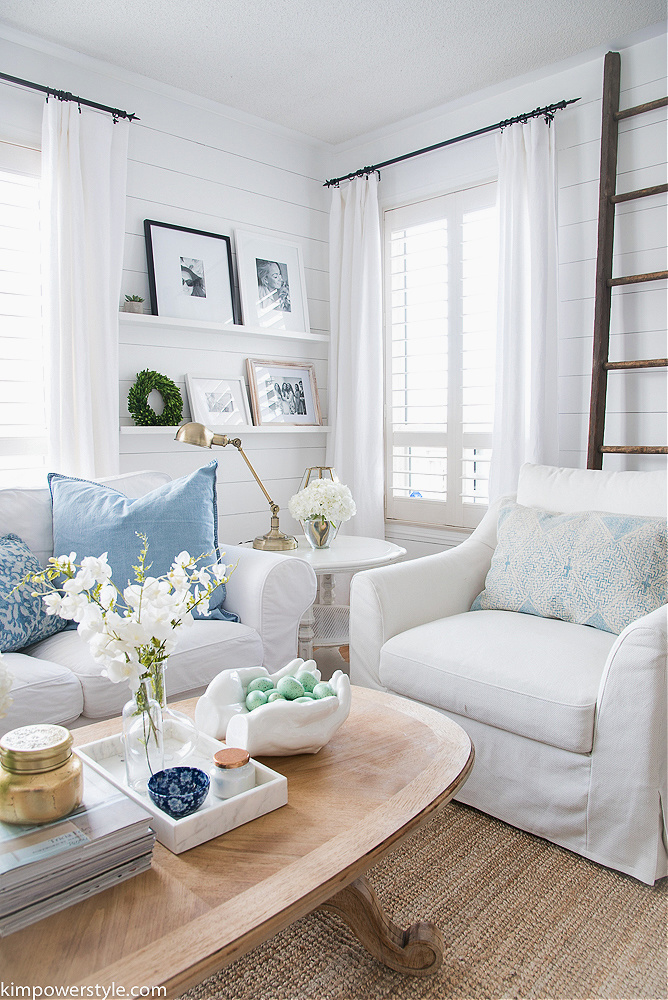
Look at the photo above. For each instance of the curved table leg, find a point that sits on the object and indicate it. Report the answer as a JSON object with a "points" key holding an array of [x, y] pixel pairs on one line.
{"points": [[417, 951]]}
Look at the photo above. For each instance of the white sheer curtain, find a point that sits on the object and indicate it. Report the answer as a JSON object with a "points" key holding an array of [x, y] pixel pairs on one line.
{"points": [[355, 376], [525, 408], [84, 164]]}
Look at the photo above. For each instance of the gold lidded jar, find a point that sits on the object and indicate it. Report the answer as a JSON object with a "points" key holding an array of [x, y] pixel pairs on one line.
{"points": [[41, 780]]}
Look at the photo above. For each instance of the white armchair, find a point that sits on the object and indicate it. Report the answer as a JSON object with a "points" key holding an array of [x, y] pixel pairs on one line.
{"points": [[568, 721]]}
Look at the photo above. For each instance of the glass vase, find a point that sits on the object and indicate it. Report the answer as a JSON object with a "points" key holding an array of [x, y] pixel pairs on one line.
{"points": [[179, 731], [142, 738], [319, 532]]}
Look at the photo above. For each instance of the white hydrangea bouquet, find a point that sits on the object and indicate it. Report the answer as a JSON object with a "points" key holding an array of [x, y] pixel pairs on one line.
{"points": [[325, 500], [321, 508]]}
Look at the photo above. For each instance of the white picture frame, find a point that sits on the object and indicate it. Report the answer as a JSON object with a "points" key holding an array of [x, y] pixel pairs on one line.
{"points": [[283, 392], [272, 285], [219, 401]]}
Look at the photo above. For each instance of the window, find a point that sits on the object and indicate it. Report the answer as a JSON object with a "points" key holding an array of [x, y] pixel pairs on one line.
{"points": [[440, 317], [23, 437]]}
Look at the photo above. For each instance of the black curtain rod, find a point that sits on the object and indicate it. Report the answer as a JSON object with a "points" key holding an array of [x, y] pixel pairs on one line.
{"points": [[546, 113], [64, 95]]}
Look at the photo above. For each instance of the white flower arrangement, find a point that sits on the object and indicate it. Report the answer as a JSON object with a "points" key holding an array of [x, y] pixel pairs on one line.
{"points": [[131, 633], [5, 688], [323, 499]]}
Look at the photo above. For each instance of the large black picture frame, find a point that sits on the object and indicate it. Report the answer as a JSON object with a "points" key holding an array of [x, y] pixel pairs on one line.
{"points": [[190, 273]]}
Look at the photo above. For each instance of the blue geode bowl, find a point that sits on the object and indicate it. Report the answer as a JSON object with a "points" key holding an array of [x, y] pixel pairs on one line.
{"points": [[179, 791]]}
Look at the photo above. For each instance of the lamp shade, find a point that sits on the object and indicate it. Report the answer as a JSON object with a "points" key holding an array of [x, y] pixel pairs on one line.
{"points": [[318, 472]]}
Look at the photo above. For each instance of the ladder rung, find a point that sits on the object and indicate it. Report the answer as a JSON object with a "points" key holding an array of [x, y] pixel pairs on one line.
{"points": [[633, 279], [641, 193], [624, 449], [651, 363], [640, 109]]}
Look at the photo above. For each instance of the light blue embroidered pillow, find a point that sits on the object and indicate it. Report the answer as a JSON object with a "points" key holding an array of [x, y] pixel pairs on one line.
{"points": [[90, 519], [591, 568], [23, 618]]}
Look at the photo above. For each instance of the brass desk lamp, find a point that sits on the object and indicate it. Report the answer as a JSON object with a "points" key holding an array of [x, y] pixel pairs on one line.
{"points": [[198, 434]]}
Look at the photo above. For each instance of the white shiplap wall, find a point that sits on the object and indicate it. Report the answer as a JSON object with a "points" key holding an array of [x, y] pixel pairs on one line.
{"points": [[637, 401], [196, 164]]}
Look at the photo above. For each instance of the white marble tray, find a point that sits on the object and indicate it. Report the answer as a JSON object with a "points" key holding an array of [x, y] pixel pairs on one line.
{"points": [[215, 816]]}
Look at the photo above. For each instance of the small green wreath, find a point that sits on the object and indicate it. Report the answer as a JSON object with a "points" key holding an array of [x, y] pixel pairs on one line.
{"points": [[143, 414]]}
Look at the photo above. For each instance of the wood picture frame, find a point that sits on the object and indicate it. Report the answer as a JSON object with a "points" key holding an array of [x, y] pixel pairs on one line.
{"points": [[190, 273], [272, 285], [283, 392], [218, 401]]}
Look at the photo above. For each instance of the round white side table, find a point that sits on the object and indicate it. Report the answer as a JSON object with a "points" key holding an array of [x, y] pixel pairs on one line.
{"points": [[326, 623]]}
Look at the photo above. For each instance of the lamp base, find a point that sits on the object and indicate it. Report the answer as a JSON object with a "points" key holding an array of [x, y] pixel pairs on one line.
{"points": [[275, 540]]}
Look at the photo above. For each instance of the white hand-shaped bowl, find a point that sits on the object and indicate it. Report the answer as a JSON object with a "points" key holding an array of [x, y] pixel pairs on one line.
{"points": [[280, 728]]}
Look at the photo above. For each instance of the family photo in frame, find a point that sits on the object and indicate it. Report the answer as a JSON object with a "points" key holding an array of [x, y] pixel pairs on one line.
{"points": [[283, 392]]}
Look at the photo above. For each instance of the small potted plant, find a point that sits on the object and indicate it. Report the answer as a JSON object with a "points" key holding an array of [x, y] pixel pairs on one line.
{"points": [[133, 304]]}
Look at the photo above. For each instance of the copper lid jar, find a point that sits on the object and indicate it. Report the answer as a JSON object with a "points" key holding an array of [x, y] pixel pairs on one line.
{"points": [[41, 780], [233, 772]]}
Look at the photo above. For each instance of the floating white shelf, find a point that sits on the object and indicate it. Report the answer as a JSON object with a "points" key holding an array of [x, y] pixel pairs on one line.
{"points": [[170, 323], [233, 430]]}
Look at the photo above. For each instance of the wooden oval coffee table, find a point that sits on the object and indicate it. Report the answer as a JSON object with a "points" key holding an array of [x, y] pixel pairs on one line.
{"points": [[386, 771]]}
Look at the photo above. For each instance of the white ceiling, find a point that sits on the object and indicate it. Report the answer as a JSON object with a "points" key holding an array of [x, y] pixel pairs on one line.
{"points": [[332, 70]]}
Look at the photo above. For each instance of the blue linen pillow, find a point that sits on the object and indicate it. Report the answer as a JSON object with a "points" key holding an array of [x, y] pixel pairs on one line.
{"points": [[591, 568], [23, 618], [90, 519]]}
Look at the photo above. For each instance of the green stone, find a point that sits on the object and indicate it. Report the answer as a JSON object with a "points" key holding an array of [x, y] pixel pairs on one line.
{"points": [[276, 696], [260, 684], [323, 690], [254, 699], [304, 699], [290, 688], [307, 681]]}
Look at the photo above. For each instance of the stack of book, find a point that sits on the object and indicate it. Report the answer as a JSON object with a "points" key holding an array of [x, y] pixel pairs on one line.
{"points": [[43, 869]]}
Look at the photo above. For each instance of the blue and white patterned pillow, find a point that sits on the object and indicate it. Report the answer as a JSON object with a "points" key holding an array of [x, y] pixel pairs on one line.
{"points": [[591, 568], [23, 618]]}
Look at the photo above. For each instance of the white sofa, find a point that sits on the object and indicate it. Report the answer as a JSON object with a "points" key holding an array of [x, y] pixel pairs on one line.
{"points": [[56, 680], [568, 722]]}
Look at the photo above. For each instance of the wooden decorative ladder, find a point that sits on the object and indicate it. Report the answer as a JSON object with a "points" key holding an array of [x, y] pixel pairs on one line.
{"points": [[608, 199]]}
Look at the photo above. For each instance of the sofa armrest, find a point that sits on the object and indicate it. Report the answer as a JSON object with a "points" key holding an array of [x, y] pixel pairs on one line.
{"points": [[391, 599], [628, 772], [270, 593]]}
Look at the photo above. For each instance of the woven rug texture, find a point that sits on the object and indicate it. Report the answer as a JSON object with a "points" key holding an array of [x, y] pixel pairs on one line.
{"points": [[522, 918]]}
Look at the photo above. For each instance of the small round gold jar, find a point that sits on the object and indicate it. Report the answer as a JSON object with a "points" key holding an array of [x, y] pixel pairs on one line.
{"points": [[41, 780]]}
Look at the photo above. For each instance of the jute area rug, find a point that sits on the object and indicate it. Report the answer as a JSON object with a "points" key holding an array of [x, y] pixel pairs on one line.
{"points": [[521, 918]]}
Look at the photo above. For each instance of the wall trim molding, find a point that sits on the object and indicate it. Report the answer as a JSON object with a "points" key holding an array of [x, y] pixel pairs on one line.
{"points": [[447, 537], [501, 88], [99, 66]]}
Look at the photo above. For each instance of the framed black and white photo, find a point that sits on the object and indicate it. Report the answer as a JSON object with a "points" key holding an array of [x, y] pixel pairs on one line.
{"points": [[271, 282], [218, 402], [190, 273], [283, 392]]}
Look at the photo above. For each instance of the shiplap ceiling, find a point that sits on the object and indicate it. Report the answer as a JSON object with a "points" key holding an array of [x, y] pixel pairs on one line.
{"points": [[332, 70]]}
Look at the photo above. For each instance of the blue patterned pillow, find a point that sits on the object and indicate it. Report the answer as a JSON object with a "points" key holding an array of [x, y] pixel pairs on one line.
{"points": [[90, 519], [23, 618], [590, 568]]}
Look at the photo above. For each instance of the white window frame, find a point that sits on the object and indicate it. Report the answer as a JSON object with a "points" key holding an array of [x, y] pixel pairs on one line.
{"points": [[453, 512]]}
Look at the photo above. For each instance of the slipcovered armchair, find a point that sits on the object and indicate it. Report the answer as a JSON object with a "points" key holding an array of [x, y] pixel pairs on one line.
{"points": [[568, 720]]}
